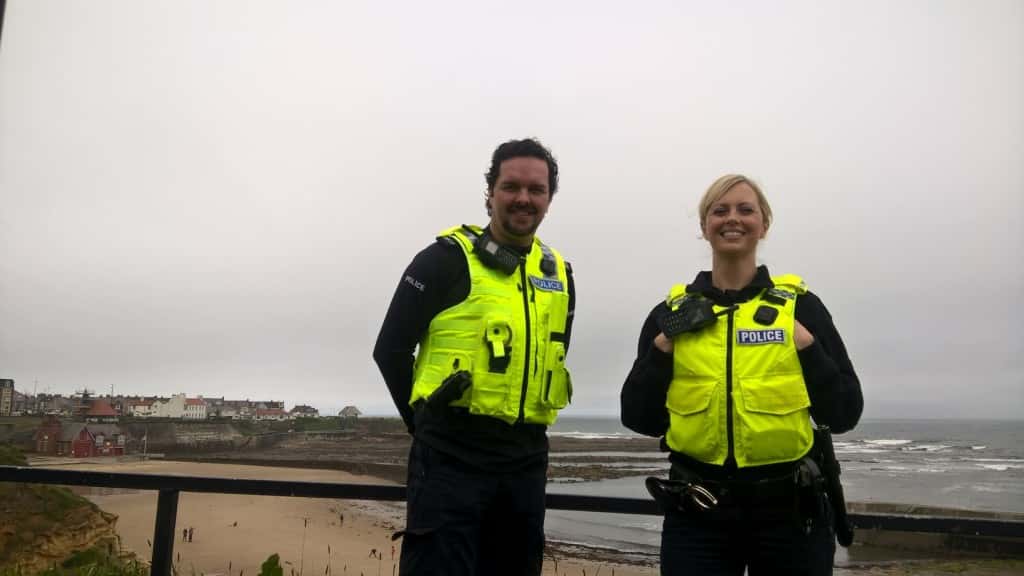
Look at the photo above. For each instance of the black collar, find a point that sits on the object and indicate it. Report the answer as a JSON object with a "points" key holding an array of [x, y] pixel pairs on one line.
{"points": [[521, 250], [702, 285]]}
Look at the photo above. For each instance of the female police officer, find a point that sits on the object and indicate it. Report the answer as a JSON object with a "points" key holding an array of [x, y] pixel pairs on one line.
{"points": [[729, 371]]}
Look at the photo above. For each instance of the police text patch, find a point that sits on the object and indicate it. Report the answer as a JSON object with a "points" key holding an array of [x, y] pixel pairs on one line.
{"points": [[547, 284], [769, 336]]}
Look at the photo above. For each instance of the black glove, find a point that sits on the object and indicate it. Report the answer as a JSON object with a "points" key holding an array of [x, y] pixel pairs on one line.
{"points": [[450, 390]]}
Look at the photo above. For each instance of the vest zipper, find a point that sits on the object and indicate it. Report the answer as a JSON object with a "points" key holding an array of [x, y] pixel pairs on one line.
{"points": [[730, 458], [536, 349], [526, 353]]}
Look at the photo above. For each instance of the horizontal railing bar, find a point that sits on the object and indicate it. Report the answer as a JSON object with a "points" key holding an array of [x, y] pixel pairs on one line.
{"points": [[201, 484], [577, 502]]}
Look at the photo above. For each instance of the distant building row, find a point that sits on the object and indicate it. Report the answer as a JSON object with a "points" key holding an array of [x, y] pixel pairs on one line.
{"points": [[178, 406]]}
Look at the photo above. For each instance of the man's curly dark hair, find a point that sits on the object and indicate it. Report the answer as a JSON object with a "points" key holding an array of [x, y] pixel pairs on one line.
{"points": [[527, 147]]}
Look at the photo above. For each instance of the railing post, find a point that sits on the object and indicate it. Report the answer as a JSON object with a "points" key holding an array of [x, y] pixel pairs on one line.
{"points": [[163, 532]]}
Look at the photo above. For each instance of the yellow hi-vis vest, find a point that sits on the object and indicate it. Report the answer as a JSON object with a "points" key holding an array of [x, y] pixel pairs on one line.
{"points": [[737, 385], [509, 333]]}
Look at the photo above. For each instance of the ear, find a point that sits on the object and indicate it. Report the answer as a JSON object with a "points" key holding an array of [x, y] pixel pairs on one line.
{"points": [[487, 204]]}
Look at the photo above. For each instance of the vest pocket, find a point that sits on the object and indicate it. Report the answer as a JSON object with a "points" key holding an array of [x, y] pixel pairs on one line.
{"points": [[774, 425], [692, 404], [491, 392], [557, 385]]}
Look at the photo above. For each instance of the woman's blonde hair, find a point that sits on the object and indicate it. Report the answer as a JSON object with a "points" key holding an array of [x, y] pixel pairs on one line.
{"points": [[721, 186]]}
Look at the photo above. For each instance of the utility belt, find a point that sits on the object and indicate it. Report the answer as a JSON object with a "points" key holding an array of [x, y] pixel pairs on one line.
{"points": [[685, 491]]}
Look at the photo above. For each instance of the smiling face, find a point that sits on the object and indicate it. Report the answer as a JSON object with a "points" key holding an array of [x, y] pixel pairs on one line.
{"points": [[735, 222], [519, 200]]}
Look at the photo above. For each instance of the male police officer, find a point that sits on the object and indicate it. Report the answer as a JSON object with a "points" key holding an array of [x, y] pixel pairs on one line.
{"points": [[490, 310]]}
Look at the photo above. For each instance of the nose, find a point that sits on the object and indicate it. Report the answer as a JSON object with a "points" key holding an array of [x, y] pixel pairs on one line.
{"points": [[522, 195]]}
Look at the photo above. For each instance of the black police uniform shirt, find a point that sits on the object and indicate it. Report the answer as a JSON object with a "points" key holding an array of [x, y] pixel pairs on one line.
{"points": [[832, 384], [437, 279]]}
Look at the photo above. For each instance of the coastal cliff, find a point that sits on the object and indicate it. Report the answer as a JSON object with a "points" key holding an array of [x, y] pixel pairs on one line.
{"points": [[43, 526]]}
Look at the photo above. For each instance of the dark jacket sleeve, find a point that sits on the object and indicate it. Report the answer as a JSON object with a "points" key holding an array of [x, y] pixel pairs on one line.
{"points": [[832, 384], [424, 290], [642, 401]]}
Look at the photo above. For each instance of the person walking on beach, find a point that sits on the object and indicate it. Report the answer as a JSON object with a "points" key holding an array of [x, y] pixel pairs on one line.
{"points": [[730, 369], [190, 533], [184, 534], [490, 310]]}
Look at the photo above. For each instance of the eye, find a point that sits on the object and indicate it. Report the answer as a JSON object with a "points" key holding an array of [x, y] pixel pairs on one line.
{"points": [[720, 210], [538, 190], [746, 210]]}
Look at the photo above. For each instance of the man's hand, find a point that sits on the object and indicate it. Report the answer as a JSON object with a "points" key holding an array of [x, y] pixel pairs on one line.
{"points": [[801, 335], [450, 390]]}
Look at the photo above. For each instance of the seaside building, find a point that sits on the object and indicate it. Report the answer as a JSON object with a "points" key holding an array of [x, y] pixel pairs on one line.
{"points": [[47, 436], [96, 440], [6, 397], [303, 411], [100, 411], [79, 439], [350, 412], [141, 407], [195, 409], [271, 414]]}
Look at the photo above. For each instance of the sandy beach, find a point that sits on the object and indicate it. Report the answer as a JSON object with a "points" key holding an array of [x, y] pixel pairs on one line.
{"points": [[234, 534]]}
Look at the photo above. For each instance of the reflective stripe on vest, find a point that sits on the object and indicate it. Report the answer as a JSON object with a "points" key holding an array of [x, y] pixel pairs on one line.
{"points": [[509, 333], [737, 386]]}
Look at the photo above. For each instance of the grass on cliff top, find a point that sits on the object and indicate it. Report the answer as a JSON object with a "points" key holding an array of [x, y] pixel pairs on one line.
{"points": [[91, 562], [28, 510]]}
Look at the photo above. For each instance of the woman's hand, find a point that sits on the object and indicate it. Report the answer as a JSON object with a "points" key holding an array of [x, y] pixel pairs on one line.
{"points": [[801, 335], [661, 342]]}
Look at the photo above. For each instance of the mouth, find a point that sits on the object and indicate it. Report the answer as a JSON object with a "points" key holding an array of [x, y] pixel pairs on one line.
{"points": [[732, 233]]}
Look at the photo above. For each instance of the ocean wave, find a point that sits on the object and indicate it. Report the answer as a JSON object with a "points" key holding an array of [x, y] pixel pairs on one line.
{"points": [[926, 448], [648, 552], [862, 451], [592, 435], [633, 466], [888, 442], [1002, 467], [987, 489], [632, 455]]}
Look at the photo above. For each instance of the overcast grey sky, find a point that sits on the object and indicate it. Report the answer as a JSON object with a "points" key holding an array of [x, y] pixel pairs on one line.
{"points": [[219, 198]]}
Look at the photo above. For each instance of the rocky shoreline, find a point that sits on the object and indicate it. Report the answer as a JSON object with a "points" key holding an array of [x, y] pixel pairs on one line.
{"points": [[384, 454]]}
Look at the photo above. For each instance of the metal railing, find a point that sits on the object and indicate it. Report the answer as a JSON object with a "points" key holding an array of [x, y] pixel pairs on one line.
{"points": [[169, 487]]}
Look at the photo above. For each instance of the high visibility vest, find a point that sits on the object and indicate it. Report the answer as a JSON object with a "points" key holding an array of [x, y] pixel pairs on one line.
{"points": [[737, 385], [509, 333]]}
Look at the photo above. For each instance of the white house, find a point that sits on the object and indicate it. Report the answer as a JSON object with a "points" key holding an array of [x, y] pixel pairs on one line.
{"points": [[195, 408], [173, 407]]}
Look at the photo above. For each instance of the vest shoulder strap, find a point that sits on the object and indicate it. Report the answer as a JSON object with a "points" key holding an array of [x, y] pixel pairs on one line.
{"points": [[790, 282], [464, 235], [676, 296]]}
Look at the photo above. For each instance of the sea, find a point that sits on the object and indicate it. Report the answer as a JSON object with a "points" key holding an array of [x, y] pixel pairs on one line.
{"points": [[966, 464]]}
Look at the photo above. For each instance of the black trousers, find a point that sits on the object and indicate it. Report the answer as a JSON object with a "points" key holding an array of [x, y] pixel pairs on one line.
{"points": [[462, 521], [727, 540]]}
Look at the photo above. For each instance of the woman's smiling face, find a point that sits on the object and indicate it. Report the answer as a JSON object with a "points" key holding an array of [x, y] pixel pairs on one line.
{"points": [[734, 223]]}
